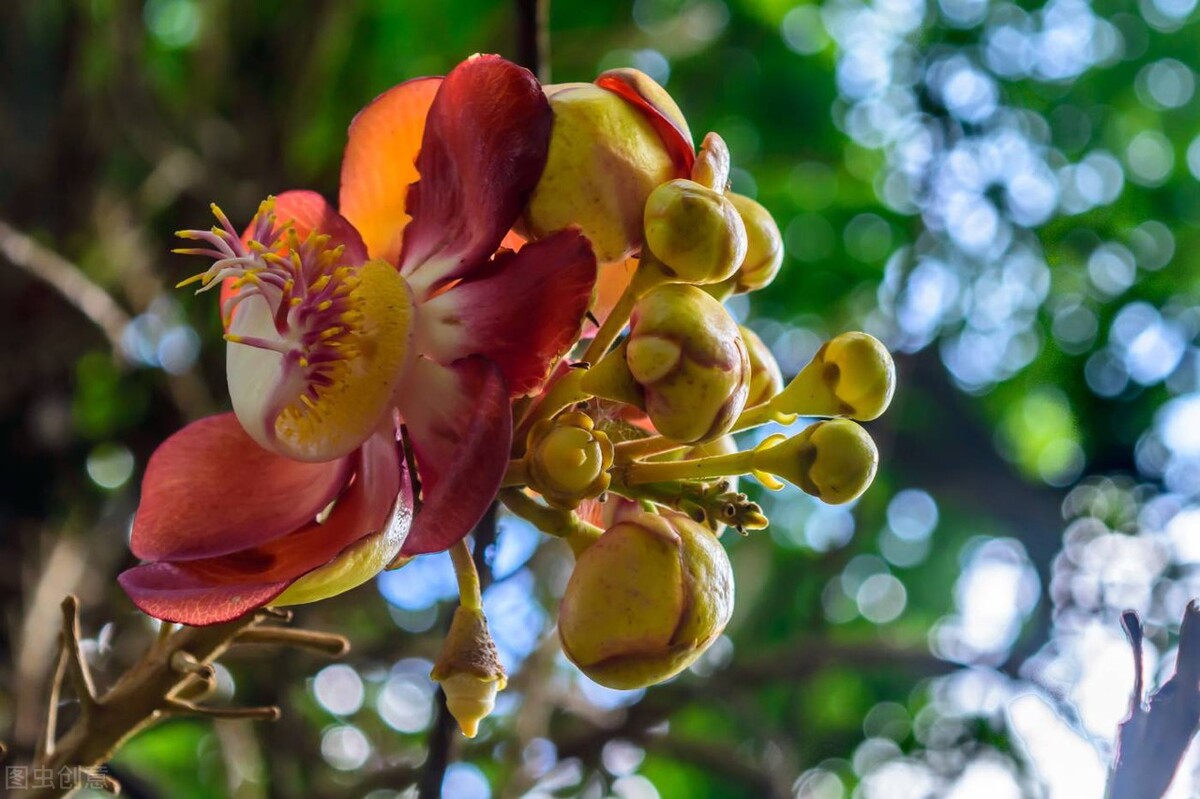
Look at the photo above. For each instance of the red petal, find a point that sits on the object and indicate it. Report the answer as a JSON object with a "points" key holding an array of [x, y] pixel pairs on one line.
{"points": [[218, 589], [522, 314], [677, 140], [210, 490], [485, 145], [460, 423], [380, 163]]}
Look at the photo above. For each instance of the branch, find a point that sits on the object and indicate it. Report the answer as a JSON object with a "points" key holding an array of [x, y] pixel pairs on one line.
{"points": [[69, 280], [171, 675], [1152, 740]]}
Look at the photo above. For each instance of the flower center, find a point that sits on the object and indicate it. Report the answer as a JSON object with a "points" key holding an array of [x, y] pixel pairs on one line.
{"points": [[331, 336]]}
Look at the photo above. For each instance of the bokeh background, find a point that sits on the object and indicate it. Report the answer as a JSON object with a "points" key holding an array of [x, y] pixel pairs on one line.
{"points": [[1008, 194]]}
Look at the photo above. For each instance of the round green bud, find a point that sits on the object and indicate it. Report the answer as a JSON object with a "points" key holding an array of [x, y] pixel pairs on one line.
{"points": [[645, 600], [685, 353], [764, 246], [834, 460], [694, 231], [567, 459], [851, 375]]}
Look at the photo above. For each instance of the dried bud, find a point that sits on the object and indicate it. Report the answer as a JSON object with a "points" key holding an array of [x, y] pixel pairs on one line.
{"points": [[834, 460], [764, 246], [686, 354], [645, 600], [469, 670], [568, 459], [605, 158], [711, 169], [765, 378], [851, 375], [694, 231]]}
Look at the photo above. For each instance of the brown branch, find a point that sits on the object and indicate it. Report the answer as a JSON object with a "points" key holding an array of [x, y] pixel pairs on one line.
{"points": [[175, 666], [69, 280], [533, 37], [1151, 742]]}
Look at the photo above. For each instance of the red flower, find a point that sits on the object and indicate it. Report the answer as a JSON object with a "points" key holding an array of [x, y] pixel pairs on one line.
{"points": [[398, 309]]}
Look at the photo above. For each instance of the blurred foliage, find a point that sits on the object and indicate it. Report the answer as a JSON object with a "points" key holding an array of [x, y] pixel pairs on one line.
{"points": [[1006, 193]]}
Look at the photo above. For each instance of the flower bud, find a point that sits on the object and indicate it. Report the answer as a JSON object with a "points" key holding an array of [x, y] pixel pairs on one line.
{"points": [[834, 460], [711, 169], [694, 231], [686, 354], [605, 158], [645, 600], [764, 246], [568, 459], [851, 375], [765, 378], [469, 670]]}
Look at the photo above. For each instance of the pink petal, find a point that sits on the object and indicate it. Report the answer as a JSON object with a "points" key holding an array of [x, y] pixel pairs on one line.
{"points": [[485, 144], [219, 589], [210, 490], [460, 423], [522, 313]]}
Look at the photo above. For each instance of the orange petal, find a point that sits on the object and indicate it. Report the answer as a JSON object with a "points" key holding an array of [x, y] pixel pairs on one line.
{"points": [[380, 163]]}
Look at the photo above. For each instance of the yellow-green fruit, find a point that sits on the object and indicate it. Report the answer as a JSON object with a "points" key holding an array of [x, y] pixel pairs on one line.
{"points": [[694, 231], [765, 378], [764, 246], [834, 460], [568, 459], [605, 159], [645, 600], [686, 354], [851, 375]]}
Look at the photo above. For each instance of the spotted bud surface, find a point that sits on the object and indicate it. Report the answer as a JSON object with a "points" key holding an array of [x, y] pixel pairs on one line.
{"points": [[686, 354], [694, 231], [645, 600], [469, 670], [834, 460], [851, 375], [764, 246], [568, 459], [765, 378], [605, 158]]}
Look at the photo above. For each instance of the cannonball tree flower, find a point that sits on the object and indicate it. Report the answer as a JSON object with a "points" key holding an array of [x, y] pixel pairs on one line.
{"points": [[401, 311]]}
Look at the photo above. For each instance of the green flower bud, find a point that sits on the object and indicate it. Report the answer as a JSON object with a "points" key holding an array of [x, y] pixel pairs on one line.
{"points": [[605, 159], [764, 246], [851, 375], [765, 378], [834, 460], [686, 354], [645, 600], [469, 670], [694, 231], [567, 459]]}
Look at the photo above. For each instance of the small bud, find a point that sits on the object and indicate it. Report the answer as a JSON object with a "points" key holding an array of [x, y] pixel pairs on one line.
{"points": [[851, 375], [469, 670], [686, 354], [711, 169], [645, 600], [765, 378], [834, 460], [605, 158], [764, 246], [568, 460], [694, 231]]}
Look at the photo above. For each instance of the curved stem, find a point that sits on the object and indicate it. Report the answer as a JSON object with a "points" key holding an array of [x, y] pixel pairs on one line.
{"points": [[470, 596]]}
